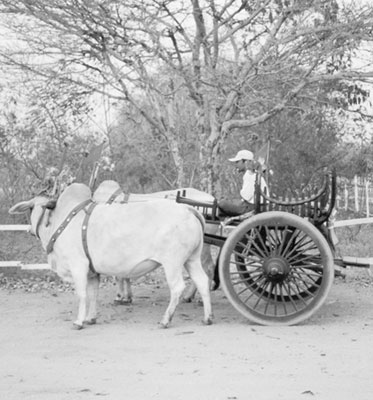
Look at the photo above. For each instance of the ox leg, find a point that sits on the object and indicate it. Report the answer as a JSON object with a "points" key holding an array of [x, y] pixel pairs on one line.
{"points": [[189, 293], [124, 294], [92, 294], [176, 284], [201, 281], [81, 282], [208, 266]]}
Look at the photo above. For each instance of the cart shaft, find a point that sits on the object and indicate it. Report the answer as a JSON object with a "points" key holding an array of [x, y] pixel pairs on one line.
{"points": [[361, 262]]}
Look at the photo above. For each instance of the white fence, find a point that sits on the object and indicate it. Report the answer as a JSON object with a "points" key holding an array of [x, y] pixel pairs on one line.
{"points": [[19, 264], [355, 195]]}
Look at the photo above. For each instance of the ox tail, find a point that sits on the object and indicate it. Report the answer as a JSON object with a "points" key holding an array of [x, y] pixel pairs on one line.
{"points": [[216, 278], [199, 217]]}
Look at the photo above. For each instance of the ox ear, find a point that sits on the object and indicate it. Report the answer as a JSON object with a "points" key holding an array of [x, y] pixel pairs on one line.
{"points": [[51, 205], [22, 207]]}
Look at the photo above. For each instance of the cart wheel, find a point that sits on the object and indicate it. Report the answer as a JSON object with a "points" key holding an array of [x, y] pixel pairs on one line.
{"points": [[276, 268]]}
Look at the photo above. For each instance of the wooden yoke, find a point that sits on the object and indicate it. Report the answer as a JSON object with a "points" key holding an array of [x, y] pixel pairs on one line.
{"points": [[209, 210]]}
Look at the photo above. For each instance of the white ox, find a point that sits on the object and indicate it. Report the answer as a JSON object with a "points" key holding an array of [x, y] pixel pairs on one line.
{"points": [[105, 192], [125, 241]]}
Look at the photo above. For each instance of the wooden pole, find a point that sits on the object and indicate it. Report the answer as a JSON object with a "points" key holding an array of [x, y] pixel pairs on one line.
{"points": [[367, 197], [356, 194], [352, 222], [346, 197]]}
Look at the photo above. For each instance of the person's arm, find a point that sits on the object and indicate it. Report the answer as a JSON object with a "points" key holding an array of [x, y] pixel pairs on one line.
{"points": [[248, 187]]}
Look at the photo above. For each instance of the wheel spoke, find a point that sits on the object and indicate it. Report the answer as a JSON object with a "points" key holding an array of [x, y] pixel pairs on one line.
{"points": [[253, 271], [270, 291], [293, 246], [273, 239], [301, 278], [264, 247], [243, 290], [283, 301], [296, 292], [253, 247], [290, 296], [246, 251], [312, 282], [288, 237], [263, 290], [310, 273], [253, 263], [303, 287], [302, 259], [285, 237], [248, 280]]}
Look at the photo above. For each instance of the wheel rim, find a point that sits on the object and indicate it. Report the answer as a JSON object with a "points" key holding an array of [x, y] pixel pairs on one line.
{"points": [[276, 268]]}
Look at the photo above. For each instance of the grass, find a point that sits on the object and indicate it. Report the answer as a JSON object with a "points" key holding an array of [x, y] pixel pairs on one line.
{"points": [[21, 246], [355, 241]]}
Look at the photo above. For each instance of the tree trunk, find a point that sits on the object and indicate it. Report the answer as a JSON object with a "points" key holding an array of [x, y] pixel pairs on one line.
{"points": [[173, 145], [211, 142], [174, 140]]}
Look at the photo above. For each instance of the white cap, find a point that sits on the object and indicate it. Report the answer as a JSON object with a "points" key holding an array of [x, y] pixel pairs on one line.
{"points": [[243, 155]]}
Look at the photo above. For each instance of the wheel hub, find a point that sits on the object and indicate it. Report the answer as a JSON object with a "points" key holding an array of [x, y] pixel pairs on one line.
{"points": [[276, 268]]}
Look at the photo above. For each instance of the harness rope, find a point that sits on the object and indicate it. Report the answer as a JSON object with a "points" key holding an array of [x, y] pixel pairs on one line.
{"points": [[117, 193], [66, 222], [88, 213], [82, 206]]}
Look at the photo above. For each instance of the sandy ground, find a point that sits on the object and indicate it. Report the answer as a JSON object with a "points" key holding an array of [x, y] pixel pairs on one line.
{"points": [[126, 355]]}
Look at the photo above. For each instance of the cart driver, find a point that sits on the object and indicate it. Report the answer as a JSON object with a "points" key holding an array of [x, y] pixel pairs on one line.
{"points": [[244, 163]]}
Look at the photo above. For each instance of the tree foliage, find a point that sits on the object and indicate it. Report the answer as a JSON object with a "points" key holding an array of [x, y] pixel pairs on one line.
{"points": [[232, 65]]}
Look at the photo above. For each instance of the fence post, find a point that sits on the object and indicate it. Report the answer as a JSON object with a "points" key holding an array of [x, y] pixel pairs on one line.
{"points": [[356, 194], [346, 197], [367, 197]]}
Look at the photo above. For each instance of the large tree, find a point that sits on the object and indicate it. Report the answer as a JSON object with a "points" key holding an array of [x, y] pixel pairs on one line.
{"points": [[238, 62]]}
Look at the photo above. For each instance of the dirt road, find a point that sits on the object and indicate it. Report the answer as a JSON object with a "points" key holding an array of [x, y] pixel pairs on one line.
{"points": [[126, 356]]}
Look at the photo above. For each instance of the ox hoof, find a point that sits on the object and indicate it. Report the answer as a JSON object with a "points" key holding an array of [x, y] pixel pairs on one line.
{"points": [[77, 327], [207, 321], [163, 325], [91, 321], [186, 300], [123, 302]]}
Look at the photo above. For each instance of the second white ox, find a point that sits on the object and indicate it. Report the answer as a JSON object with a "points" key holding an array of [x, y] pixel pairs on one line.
{"points": [[127, 242]]}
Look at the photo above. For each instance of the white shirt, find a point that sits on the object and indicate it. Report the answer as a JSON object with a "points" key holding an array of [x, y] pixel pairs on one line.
{"points": [[248, 186]]}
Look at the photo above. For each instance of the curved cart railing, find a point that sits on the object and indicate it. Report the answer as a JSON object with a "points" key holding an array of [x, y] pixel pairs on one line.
{"points": [[316, 207]]}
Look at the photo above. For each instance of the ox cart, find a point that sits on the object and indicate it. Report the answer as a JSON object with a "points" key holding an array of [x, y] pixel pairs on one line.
{"points": [[276, 266]]}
